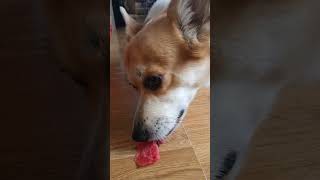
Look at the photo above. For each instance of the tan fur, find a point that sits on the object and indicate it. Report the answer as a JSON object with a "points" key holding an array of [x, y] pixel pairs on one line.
{"points": [[162, 49], [177, 48]]}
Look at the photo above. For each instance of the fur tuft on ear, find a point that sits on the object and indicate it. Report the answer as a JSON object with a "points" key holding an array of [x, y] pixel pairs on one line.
{"points": [[192, 18], [132, 26]]}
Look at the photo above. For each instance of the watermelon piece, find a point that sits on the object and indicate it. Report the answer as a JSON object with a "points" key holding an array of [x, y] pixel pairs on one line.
{"points": [[147, 153]]}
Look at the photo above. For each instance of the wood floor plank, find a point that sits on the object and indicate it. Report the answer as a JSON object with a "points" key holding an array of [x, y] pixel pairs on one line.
{"points": [[197, 126], [203, 154], [176, 164]]}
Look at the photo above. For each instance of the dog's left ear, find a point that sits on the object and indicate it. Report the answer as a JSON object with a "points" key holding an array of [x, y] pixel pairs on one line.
{"points": [[193, 19], [132, 26]]}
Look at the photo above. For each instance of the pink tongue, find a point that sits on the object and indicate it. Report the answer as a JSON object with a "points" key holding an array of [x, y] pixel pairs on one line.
{"points": [[147, 153]]}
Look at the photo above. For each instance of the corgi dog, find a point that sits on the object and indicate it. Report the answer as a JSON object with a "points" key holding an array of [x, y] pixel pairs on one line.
{"points": [[167, 60]]}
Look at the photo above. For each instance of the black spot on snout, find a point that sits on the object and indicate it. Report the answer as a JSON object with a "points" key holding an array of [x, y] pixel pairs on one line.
{"points": [[227, 165], [181, 113]]}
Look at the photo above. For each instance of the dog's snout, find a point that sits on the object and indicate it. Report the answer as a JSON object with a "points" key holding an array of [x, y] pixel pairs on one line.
{"points": [[140, 133]]}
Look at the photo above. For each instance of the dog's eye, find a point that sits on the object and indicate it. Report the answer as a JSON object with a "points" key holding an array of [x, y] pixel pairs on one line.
{"points": [[152, 82]]}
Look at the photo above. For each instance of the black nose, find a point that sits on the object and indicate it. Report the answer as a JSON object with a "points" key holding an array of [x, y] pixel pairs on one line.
{"points": [[140, 134]]}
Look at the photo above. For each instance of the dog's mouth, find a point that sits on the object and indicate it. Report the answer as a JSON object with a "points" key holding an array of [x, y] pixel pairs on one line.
{"points": [[159, 142], [181, 113]]}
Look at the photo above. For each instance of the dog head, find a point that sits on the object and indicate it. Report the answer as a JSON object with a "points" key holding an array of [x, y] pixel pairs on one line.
{"points": [[167, 59]]}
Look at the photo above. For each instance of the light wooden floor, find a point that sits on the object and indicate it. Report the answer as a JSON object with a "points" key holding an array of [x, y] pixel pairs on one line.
{"points": [[186, 155]]}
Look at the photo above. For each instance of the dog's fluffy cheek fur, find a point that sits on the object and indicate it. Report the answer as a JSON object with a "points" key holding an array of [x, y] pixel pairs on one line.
{"points": [[160, 114], [196, 73]]}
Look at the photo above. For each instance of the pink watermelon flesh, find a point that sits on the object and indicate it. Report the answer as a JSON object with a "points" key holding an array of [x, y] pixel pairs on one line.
{"points": [[147, 153]]}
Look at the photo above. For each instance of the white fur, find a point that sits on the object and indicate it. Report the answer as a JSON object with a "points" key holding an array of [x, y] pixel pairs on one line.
{"points": [[193, 72], [185, 17], [157, 9], [161, 113], [126, 16]]}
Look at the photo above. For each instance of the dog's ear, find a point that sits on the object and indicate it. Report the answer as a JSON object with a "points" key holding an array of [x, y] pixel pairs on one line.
{"points": [[132, 26], [193, 19]]}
